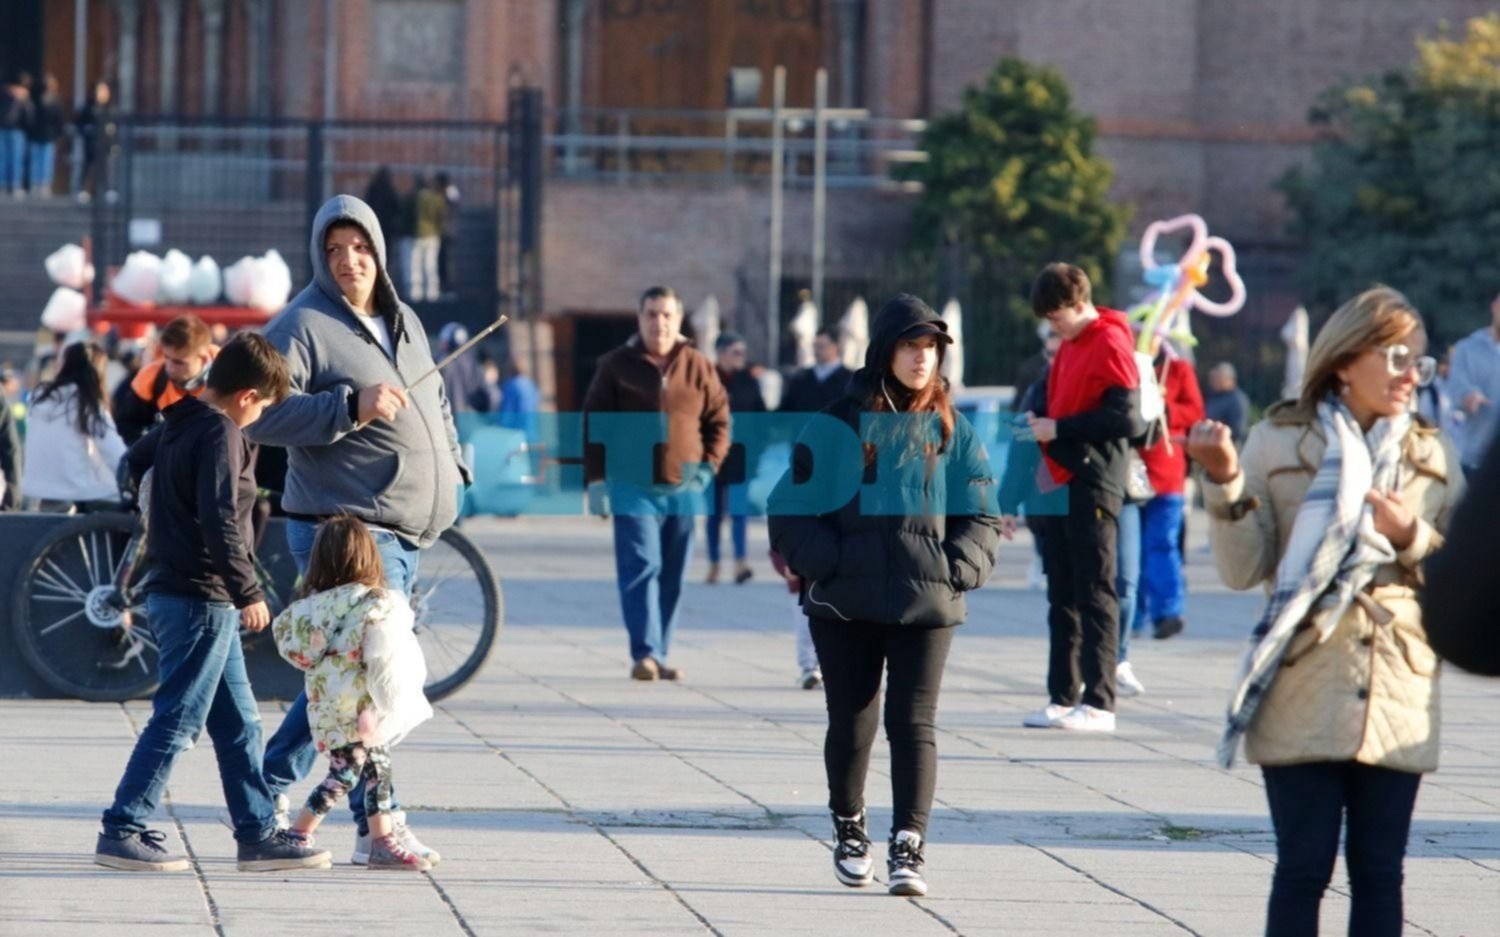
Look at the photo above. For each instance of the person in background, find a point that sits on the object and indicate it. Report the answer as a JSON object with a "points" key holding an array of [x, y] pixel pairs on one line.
{"points": [[653, 491], [46, 127], [431, 220], [1035, 367], [1461, 602], [1474, 386], [464, 375], [486, 398], [520, 398], [72, 446], [384, 200], [15, 119], [744, 397], [92, 125], [1336, 503], [808, 391], [11, 461], [451, 196], [186, 349], [1093, 412], [1226, 403], [1163, 592]]}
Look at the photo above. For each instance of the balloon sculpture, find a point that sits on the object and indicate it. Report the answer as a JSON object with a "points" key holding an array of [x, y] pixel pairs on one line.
{"points": [[1165, 313]]}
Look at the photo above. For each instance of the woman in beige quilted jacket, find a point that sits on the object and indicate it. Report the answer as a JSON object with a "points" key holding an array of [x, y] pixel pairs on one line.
{"points": [[1337, 499]]}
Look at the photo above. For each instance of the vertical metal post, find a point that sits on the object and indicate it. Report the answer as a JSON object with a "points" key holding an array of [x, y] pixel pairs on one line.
{"points": [[314, 170], [80, 77], [330, 86], [773, 286], [820, 186], [622, 147], [731, 128]]}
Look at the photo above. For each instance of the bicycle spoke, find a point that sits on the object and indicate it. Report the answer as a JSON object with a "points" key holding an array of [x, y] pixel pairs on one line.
{"points": [[59, 623], [70, 599], [109, 556], [58, 572], [85, 546]]}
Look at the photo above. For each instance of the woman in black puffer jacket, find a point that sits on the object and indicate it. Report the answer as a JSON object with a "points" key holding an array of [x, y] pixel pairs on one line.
{"points": [[888, 516]]}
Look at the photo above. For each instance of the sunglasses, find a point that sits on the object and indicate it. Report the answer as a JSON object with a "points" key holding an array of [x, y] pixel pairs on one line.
{"points": [[1399, 359]]}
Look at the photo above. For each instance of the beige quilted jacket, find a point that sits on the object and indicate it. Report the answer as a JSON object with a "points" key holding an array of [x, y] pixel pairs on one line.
{"points": [[1369, 693]]}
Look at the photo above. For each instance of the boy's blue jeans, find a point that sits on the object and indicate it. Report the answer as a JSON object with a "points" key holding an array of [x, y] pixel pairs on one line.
{"points": [[203, 685], [290, 754]]}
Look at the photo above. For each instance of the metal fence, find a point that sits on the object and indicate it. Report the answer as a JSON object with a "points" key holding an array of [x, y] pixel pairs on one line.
{"points": [[734, 144], [228, 187]]}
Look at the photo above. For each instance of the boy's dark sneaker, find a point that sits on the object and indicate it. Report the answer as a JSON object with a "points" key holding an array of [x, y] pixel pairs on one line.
{"points": [[852, 864], [279, 853], [904, 865], [137, 852]]}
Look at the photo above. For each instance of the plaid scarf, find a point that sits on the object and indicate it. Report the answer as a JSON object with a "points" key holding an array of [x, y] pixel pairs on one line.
{"points": [[1333, 553]]}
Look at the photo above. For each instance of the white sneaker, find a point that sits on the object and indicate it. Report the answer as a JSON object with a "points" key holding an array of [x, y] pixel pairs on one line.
{"points": [[811, 679], [852, 864], [1036, 579], [404, 835], [1083, 718], [1047, 717], [904, 862], [283, 812], [1126, 683]]}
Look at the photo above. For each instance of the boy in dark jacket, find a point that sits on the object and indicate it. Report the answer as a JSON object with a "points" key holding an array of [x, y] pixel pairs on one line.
{"points": [[1093, 409], [203, 591]]}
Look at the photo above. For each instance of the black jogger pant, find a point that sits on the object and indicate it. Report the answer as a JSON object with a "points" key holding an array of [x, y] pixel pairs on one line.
{"points": [[854, 656], [1079, 555]]}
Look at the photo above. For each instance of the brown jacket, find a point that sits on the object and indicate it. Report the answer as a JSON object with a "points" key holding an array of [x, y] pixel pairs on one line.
{"points": [[685, 391], [1370, 692]]}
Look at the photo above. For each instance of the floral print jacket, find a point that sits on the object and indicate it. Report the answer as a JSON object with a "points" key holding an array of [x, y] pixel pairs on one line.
{"points": [[324, 636]]}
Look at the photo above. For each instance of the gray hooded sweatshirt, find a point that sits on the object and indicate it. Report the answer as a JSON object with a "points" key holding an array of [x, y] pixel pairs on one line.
{"points": [[402, 474]]}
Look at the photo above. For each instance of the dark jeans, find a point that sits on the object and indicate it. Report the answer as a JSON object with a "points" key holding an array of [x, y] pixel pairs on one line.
{"points": [[854, 656], [1083, 612], [1308, 806], [203, 686], [653, 542], [291, 753]]}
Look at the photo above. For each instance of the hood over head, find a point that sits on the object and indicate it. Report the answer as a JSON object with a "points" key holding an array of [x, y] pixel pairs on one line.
{"points": [[901, 316], [347, 208]]}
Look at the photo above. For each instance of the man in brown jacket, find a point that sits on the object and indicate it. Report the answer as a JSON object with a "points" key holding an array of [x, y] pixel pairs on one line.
{"points": [[656, 422]]}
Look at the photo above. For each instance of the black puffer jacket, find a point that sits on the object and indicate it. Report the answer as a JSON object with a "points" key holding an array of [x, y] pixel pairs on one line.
{"points": [[904, 548]]}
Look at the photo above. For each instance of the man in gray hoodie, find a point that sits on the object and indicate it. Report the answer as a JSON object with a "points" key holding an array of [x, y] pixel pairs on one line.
{"points": [[357, 442]]}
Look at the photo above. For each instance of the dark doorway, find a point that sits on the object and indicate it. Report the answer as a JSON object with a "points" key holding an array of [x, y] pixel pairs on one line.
{"points": [[20, 38]]}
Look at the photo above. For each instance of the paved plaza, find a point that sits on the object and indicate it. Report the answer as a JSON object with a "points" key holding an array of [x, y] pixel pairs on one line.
{"points": [[567, 799]]}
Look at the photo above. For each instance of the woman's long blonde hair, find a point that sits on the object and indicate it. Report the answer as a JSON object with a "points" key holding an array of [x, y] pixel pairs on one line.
{"points": [[1378, 317]]}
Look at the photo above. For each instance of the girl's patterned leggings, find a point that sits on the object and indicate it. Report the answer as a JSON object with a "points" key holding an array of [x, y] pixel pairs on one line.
{"points": [[347, 766]]}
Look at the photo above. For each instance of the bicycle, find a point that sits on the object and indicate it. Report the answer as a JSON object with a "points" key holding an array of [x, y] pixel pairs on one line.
{"points": [[80, 619]]}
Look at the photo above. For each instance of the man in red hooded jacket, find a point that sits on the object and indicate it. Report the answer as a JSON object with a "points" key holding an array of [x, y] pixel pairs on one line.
{"points": [[1093, 410]]}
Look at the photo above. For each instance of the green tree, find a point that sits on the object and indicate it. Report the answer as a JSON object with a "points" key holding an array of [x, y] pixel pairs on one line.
{"points": [[1404, 187], [1011, 183]]}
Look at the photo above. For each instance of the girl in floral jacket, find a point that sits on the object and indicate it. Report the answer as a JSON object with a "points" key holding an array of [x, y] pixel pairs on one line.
{"points": [[354, 640]]}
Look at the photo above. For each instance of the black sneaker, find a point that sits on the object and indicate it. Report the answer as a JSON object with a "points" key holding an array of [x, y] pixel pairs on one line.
{"points": [[1167, 627], [137, 852], [904, 865], [851, 851], [282, 852]]}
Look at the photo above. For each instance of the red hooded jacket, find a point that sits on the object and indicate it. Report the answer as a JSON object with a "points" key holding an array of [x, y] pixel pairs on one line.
{"points": [[1166, 462], [1100, 357]]}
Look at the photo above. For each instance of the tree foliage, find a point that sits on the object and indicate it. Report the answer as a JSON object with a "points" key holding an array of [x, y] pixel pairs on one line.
{"points": [[1404, 188], [1011, 177]]}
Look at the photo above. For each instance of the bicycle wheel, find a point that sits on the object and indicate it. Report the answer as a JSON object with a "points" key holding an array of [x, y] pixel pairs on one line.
{"points": [[66, 622], [459, 610]]}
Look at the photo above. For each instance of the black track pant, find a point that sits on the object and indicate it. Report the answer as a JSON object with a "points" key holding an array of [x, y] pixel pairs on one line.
{"points": [[1083, 616], [854, 656]]}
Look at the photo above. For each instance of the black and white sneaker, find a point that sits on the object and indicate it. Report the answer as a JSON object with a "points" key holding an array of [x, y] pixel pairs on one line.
{"points": [[851, 851], [138, 852], [904, 865]]}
